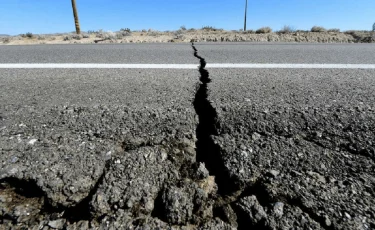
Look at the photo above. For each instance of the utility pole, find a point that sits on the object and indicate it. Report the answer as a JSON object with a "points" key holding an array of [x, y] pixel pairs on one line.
{"points": [[76, 20], [244, 26]]}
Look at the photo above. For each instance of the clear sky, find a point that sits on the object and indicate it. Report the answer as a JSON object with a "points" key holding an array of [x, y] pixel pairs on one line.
{"points": [[52, 16]]}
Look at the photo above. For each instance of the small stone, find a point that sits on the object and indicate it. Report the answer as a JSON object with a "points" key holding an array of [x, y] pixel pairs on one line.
{"points": [[32, 141], [347, 215], [202, 171], [274, 173], [244, 154], [14, 159], [256, 136], [327, 221], [57, 224], [278, 209], [319, 134], [296, 173], [117, 161], [164, 155]]}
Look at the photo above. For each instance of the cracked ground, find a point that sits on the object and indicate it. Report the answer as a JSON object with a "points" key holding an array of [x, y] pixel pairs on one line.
{"points": [[226, 150]]}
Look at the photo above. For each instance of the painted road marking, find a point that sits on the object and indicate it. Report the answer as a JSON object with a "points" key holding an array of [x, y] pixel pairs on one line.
{"points": [[181, 66]]}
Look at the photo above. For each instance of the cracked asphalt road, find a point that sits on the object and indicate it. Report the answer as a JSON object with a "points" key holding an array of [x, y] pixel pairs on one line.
{"points": [[186, 149]]}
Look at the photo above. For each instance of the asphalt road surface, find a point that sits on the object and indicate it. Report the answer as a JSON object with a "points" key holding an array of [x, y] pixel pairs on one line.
{"points": [[187, 148]]}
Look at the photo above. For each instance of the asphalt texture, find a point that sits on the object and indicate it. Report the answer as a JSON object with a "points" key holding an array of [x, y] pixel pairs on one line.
{"points": [[187, 149], [299, 53], [105, 53]]}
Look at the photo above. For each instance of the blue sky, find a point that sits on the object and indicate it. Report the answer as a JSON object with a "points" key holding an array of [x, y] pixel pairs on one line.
{"points": [[52, 16]]}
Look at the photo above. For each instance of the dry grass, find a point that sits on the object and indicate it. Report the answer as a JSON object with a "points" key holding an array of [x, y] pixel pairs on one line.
{"points": [[336, 30], [264, 30], [287, 29]]}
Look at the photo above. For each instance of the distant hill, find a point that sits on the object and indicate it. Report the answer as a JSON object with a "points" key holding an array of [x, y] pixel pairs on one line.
{"points": [[4, 35]]}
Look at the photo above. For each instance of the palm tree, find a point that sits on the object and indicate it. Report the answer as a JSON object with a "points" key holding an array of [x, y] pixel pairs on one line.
{"points": [[76, 20], [244, 27]]}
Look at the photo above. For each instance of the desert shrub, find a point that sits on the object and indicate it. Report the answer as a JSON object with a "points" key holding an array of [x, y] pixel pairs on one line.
{"points": [[126, 33], [318, 29], [76, 37], [179, 34], [27, 35], [287, 29], [41, 37], [192, 30], [92, 32], [264, 30], [6, 40], [210, 28], [302, 31], [125, 30], [106, 35], [334, 30], [154, 33], [182, 27], [350, 32], [247, 31], [109, 35], [85, 36], [119, 35], [71, 37]]}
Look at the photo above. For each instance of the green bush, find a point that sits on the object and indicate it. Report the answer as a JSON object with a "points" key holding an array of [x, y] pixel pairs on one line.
{"points": [[318, 29], [264, 30]]}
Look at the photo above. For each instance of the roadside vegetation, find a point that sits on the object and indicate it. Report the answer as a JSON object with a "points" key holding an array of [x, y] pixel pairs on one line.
{"points": [[207, 33]]}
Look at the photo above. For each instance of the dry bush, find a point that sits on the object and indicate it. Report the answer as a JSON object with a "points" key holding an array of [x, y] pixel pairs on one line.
{"points": [[154, 33], [6, 40], [72, 37], [211, 28], [125, 30], [318, 29], [264, 30], [247, 31], [179, 34], [350, 32], [287, 29], [334, 30]]}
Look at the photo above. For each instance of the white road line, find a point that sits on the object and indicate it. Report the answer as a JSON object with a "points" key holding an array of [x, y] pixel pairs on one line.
{"points": [[292, 66], [181, 66], [95, 66]]}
